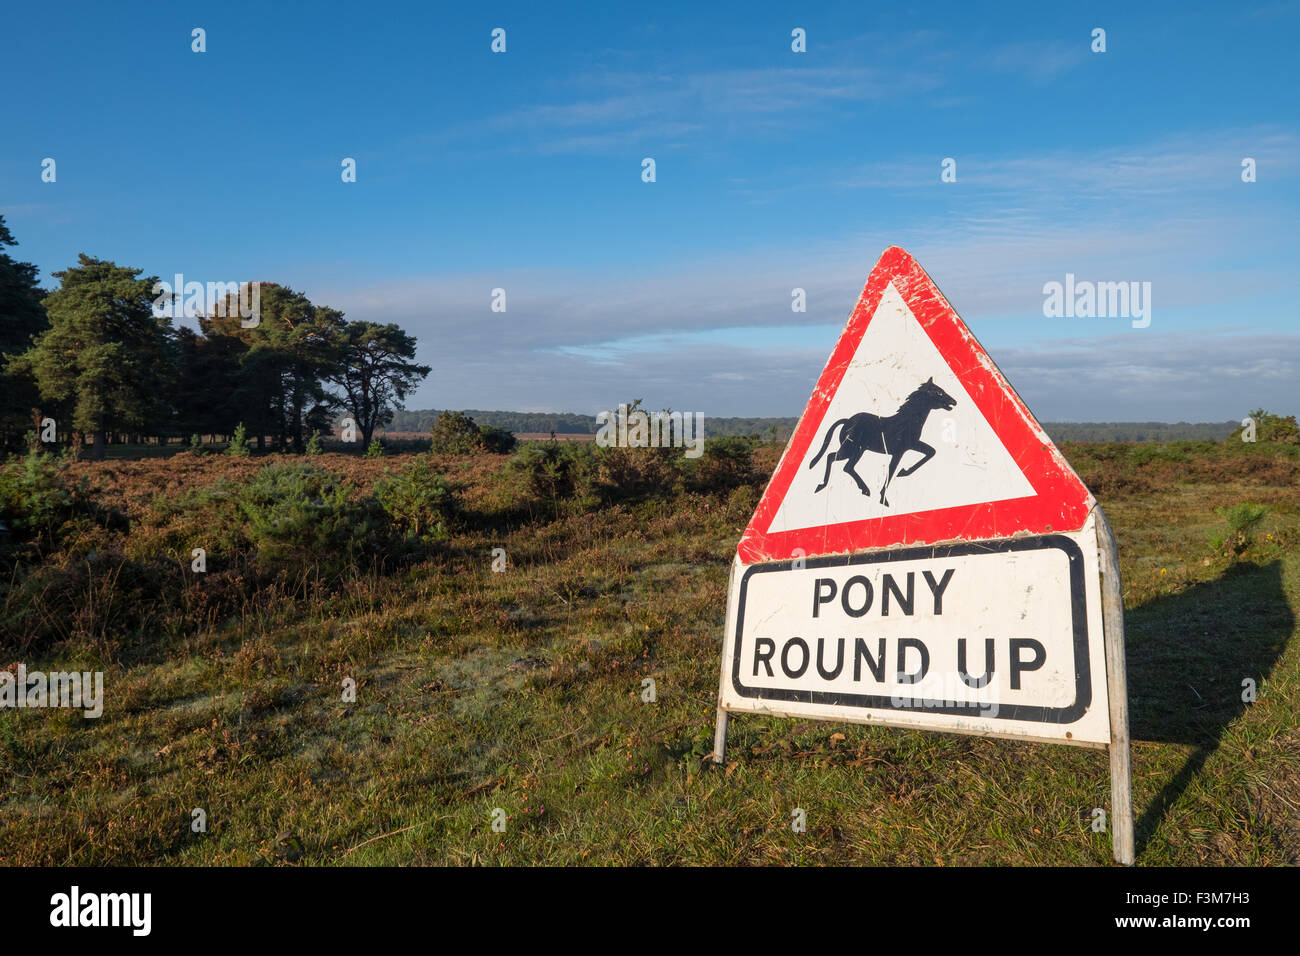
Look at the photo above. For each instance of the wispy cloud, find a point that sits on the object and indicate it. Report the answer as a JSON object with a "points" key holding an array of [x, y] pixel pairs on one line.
{"points": [[1170, 168], [595, 111], [617, 108], [1158, 377], [1041, 62]]}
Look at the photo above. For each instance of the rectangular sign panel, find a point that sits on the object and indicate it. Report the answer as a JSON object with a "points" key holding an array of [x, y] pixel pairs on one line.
{"points": [[992, 637]]}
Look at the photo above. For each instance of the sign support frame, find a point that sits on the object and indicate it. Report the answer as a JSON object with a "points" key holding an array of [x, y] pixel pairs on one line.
{"points": [[1119, 748], [720, 728], [1121, 764], [720, 737]]}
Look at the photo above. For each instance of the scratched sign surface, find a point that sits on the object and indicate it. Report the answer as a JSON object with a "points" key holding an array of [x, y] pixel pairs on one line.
{"points": [[923, 556], [912, 436]]}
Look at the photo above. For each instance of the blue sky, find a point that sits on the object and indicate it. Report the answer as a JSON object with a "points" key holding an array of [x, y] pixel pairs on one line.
{"points": [[774, 170]]}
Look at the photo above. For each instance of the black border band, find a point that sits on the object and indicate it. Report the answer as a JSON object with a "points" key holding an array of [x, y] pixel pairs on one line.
{"points": [[1078, 614]]}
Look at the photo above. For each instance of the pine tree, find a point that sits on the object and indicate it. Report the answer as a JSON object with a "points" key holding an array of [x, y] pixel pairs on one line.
{"points": [[105, 351], [21, 318]]}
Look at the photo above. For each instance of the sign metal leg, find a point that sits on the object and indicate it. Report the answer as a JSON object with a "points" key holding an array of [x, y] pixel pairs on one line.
{"points": [[1121, 768]]}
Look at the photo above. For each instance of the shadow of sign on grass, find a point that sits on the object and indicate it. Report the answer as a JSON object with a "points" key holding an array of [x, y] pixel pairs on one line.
{"points": [[1187, 655]]}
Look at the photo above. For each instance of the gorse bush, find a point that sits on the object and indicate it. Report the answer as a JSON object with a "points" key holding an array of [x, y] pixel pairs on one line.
{"points": [[629, 473], [418, 501], [727, 462], [455, 434], [1157, 451], [589, 475], [554, 471], [40, 503], [300, 511], [499, 441], [1281, 429]]}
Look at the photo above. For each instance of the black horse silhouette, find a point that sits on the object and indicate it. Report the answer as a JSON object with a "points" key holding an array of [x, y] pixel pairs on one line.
{"points": [[893, 436]]}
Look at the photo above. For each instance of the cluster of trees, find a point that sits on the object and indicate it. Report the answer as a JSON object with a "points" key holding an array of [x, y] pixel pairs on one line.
{"points": [[1263, 425], [93, 355], [21, 318]]}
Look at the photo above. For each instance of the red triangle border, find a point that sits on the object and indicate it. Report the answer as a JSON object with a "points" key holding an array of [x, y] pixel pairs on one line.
{"points": [[1061, 502]]}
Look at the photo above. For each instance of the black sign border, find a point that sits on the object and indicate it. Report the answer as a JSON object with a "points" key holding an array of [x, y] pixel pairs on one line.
{"points": [[1020, 712]]}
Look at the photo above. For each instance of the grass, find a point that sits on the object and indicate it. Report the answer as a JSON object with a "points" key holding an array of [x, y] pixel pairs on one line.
{"points": [[521, 691]]}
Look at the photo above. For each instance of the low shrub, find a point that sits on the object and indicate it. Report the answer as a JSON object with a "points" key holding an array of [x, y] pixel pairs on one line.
{"points": [[590, 475], [499, 441], [40, 503], [205, 517], [1146, 453], [238, 446], [299, 511], [419, 502], [1109, 481], [727, 462], [455, 433], [1243, 519], [554, 470], [630, 473]]}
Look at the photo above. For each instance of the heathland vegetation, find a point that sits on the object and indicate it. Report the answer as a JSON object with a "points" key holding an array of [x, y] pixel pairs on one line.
{"points": [[500, 615]]}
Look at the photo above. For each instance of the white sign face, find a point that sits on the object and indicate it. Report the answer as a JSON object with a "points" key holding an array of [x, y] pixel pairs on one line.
{"points": [[896, 372], [993, 637]]}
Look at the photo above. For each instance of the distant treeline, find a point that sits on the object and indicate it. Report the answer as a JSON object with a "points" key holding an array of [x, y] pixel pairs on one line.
{"points": [[1140, 431], [562, 423], [571, 423]]}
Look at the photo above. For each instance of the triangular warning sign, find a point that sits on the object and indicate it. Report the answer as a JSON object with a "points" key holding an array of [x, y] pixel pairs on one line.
{"points": [[912, 436]]}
